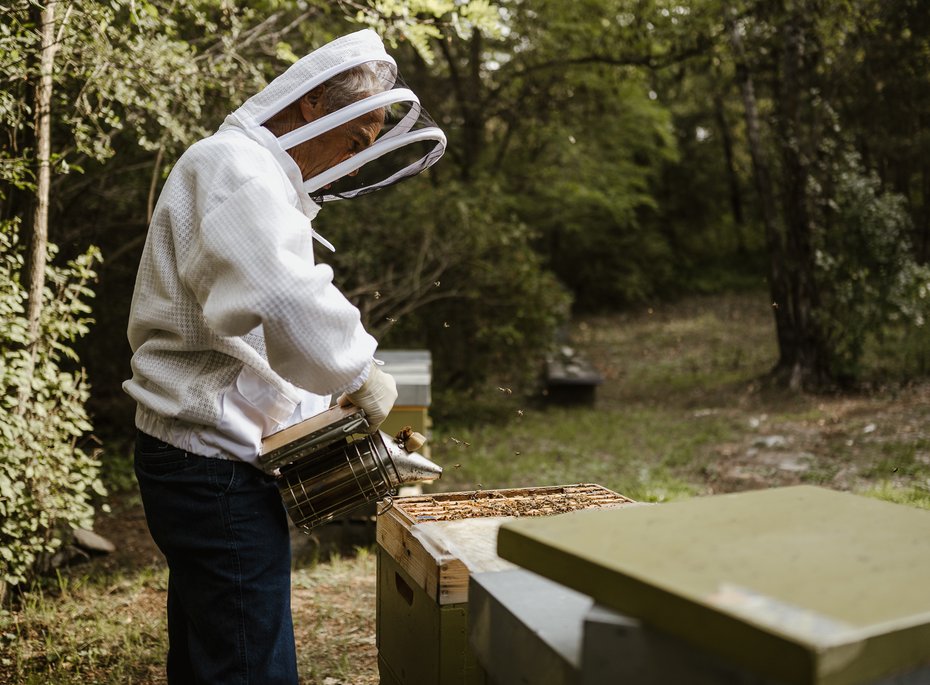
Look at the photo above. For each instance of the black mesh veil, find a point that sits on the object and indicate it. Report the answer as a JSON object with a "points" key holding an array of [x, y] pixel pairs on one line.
{"points": [[408, 143]]}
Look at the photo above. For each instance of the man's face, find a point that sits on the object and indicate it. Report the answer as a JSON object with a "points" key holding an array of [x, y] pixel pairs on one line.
{"points": [[337, 145]]}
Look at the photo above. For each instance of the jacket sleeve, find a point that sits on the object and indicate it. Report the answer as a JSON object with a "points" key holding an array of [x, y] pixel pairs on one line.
{"points": [[252, 263]]}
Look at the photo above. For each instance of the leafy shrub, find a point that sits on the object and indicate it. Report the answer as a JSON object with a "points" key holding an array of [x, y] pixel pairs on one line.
{"points": [[586, 181], [449, 269], [866, 271], [46, 482]]}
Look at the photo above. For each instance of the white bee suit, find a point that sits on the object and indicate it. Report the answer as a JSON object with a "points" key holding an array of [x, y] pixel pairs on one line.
{"points": [[235, 331]]}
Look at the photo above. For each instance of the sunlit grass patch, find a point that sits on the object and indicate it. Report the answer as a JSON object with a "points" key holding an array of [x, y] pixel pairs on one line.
{"points": [[640, 449], [81, 629], [694, 351], [917, 495]]}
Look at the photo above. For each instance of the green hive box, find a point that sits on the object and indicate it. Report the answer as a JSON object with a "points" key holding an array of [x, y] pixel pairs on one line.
{"points": [[419, 641], [802, 584]]}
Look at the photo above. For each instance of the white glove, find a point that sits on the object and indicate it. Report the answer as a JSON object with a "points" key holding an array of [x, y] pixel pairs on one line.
{"points": [[376, 396]]}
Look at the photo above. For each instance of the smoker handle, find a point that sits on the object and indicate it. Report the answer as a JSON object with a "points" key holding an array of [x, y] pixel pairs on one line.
{"points": [[359, 425], [302, 447]]}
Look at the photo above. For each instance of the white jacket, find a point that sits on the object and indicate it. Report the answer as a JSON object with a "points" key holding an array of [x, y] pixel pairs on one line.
{"points": [[235, 332]]}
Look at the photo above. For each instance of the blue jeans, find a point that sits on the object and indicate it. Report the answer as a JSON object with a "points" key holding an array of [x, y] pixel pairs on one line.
{"points": [[223, 530]]}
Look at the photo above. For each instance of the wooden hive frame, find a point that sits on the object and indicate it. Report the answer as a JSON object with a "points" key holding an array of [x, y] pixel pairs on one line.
{"points": [[443, 577]]}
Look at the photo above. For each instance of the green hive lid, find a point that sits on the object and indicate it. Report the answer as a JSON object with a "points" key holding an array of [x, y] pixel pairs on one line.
{"points": [[803, 584]]}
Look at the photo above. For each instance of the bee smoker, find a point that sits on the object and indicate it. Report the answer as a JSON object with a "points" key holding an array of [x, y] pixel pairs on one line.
{"points": [[329, 464]]}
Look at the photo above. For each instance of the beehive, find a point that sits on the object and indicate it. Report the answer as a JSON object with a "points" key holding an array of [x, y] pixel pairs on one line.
{"points": [[427, 546], [412, 371], [802, 585]]}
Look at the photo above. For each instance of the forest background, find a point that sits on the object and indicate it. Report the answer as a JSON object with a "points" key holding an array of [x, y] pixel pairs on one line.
{"points": [[603, 155]]}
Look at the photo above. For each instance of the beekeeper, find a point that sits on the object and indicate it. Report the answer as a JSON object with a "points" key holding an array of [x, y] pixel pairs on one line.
{"points": [[236, 333]]}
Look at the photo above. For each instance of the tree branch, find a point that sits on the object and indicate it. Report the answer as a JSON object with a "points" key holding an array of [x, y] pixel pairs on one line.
{"points": [[702, 44]]}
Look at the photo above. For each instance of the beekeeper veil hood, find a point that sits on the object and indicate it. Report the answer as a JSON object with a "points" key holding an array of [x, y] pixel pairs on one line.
{"points": [[358, 64]]}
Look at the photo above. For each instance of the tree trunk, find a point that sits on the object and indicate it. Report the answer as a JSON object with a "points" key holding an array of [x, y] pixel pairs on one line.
{"points": [[736, 197], [467, 89], [38, 241], [805, 359], [762, 178], [472, 108]]}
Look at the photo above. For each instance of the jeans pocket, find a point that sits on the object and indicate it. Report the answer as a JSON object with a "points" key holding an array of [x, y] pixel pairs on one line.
{"points": [[224, 474], [163, 459]]}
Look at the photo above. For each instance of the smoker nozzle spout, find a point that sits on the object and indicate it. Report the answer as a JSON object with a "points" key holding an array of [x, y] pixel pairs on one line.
{"points": [[409, 467], [412, 467]]}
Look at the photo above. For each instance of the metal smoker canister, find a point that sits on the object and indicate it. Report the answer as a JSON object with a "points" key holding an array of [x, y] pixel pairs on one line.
{"points": [[332, 471]]}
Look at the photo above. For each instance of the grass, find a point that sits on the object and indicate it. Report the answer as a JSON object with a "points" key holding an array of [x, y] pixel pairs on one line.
{"points": [[913, 495], [680, 414], [646, 453], [675, 379], [334, 620], [81, 629]]}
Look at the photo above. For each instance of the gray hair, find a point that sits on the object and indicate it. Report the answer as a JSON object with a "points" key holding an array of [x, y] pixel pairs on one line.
{"points": [[356, 83], [347, 87]]}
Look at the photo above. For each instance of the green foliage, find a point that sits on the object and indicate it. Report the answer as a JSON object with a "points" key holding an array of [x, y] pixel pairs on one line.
{"points": [[47, 482], [418, 22], [450, 269], [605, 136], [880, 69], [558, 110], [902, 352], [866, 271], [587, 182], [148, 68]]}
